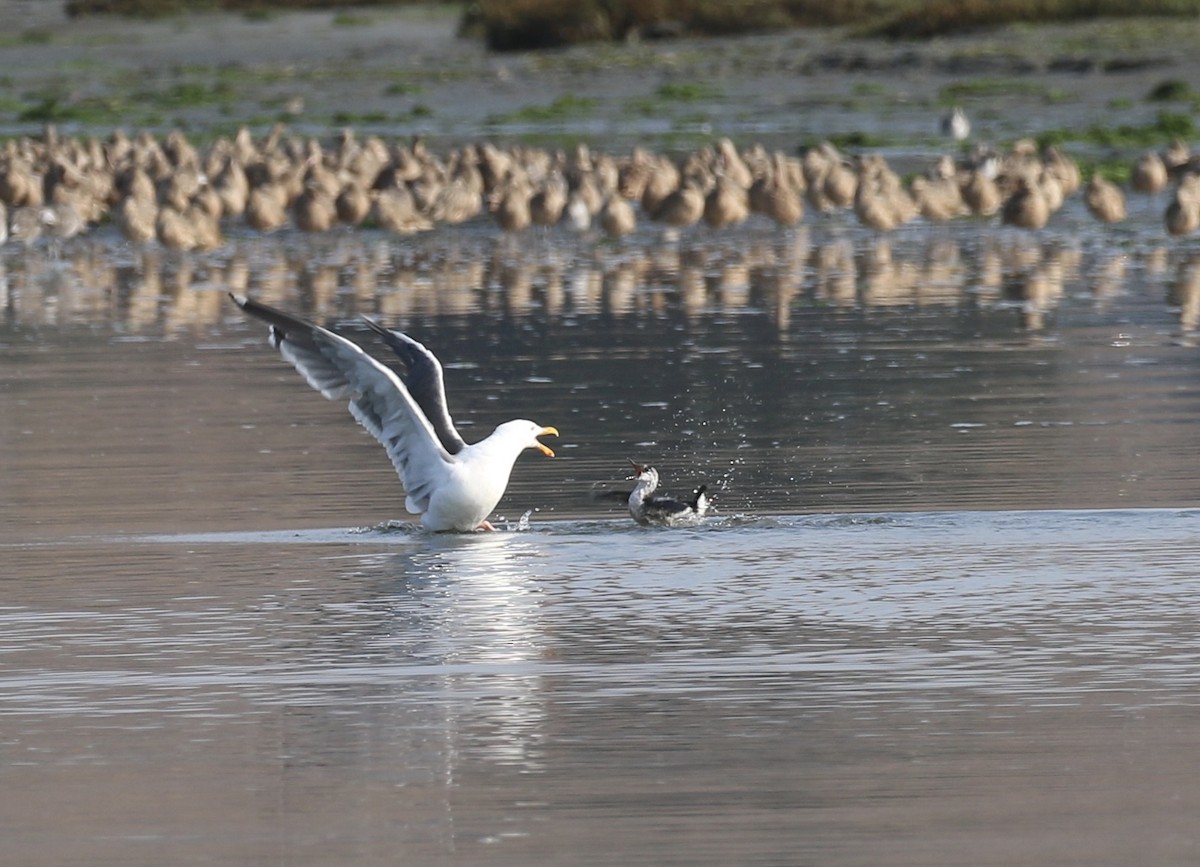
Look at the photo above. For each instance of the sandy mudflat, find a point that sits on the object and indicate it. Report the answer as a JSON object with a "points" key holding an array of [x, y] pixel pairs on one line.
{"points": [[405, 71]]}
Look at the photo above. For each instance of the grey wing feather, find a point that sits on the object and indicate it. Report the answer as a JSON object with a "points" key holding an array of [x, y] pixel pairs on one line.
{"points": [[382, 405], [425, 382], [379, 401], [293, 337]]}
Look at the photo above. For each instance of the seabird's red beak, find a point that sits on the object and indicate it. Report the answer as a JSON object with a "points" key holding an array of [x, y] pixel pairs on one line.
{"points": [[542, 447]]}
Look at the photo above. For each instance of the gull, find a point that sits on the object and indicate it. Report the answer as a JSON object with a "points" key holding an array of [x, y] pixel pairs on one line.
{"points": [[453, 486], [646, 506], [955, 125]]}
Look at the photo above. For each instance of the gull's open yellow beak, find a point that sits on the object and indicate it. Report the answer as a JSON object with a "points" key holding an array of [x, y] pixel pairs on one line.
{"points": [[542, 447]]}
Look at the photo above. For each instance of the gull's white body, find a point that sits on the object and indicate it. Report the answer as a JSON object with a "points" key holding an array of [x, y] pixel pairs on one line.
{"points": [[451, 485], [955, 125], [460, 493]]}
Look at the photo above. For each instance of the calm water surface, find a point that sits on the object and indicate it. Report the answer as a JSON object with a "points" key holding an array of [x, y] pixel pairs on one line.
{"points": [[944, 614]]}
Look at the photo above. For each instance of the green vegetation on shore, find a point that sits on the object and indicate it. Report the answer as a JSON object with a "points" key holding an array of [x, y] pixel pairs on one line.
{"points": [[1166, 126], [931, 18]]}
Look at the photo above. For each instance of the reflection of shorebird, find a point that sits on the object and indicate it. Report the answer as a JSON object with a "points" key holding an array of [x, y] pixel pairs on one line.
{"points": [[451, 485], [647, 506]]}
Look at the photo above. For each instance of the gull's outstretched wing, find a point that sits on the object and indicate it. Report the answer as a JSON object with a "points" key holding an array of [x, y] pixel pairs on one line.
{"points": [[423, 378], [337, 367], [295, 340]]}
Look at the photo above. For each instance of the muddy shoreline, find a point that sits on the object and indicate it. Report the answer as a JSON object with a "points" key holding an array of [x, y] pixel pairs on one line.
{"points": [[405, 72]]}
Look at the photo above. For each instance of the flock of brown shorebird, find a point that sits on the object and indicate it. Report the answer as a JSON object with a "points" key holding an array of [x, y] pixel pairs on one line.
{"points": [[183, 197]]}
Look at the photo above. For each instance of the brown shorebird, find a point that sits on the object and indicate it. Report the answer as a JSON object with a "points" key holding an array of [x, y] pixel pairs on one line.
{"points": [[231, 185], [511, 204], [1183, 213], [981, 194], [353, 203], [1149, 174], [1051, 188], [1176, 156], [840, 185], [1063, 169], [1104, 200], [1026, 208], [456, 202], [266, 207], [662, 182], [880, 201], [548, 200], [633, 174], [683, 207], [726, 204], [779, 192], [20, 185], [136, 216], [315, 210], [173, 229], [205, 226], [937, 195], [732, 165], [396, 211], [617, 217]]}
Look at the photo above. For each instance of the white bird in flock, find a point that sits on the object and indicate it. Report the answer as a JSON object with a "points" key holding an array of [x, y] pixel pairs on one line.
{"points": [[955, 125], [450, 484]]}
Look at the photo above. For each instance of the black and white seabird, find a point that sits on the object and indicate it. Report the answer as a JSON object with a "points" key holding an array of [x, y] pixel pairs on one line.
{"points": [[649, 507], [450, 484]]}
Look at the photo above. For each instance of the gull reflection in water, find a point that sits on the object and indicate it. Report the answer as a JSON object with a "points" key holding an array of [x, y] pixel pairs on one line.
{"points": [[426, 674], [475, 622]]}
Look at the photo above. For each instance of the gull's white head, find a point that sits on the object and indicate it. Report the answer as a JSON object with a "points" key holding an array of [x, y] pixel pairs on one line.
{"points": [[527, 432]]}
